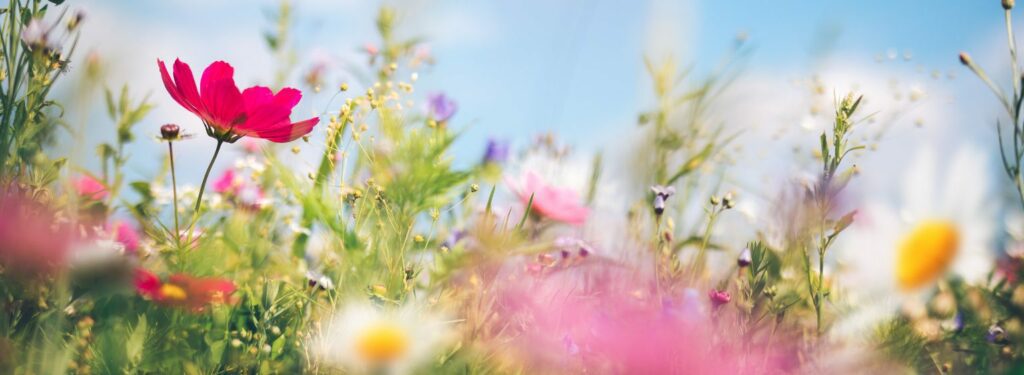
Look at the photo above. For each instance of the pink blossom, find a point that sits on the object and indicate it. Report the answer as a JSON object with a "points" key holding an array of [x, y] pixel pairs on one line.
{"points": [[227, 183], [559, 204], [601, 317], [90, 188], [29, 243], [127, 235], [229, 113]]}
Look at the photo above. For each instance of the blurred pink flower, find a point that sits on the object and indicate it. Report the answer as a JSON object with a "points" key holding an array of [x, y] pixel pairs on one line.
{"points": [[602, 317], [127, 235], [90, 188], [252, 145], [246, 194], [30, 243], [227, 183], [229, 113], [559, 204]]}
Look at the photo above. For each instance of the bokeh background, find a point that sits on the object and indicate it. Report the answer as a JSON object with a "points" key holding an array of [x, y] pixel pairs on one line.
{"points": [[575, 68]]}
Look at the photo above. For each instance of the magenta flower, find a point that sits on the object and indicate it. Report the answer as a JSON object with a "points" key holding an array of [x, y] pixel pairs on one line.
{"points": [[719, 297], [559, 204], [127, 235], [90, 188], [227, 183], [230, 114]]}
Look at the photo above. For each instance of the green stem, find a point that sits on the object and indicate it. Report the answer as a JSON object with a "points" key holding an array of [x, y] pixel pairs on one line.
{"points": [[174, 190], [698, 263], [202, 188]]}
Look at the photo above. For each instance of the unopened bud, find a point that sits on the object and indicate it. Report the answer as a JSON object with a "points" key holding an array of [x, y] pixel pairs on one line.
{"points": [[1008, 4], [745, 258], [965, 58], [170, 131]]}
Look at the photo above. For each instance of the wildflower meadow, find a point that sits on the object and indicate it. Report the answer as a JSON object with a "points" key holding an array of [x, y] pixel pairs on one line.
{"points": [[181, 193]]}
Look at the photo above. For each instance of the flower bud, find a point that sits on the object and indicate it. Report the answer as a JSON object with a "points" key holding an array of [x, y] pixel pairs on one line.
{"points": [[170, 131], [745, 258], [719, 297], [965, 58], [1008, 4]]}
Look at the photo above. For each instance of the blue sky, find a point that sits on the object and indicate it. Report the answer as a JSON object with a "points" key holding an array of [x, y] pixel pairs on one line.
{"points": [[574, 67]]}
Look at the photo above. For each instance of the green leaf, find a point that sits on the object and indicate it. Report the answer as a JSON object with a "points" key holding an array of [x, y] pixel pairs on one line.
{"points": [[490, 198], [137, 340], [526, 213]]}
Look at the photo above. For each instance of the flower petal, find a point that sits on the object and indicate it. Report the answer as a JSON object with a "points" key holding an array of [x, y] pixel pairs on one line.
{"points": [[217, 71], [186, 83], [288, 131], [223, 103], [256, 96]]}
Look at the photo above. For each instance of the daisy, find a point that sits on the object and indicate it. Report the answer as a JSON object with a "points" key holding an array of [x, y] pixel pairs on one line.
{"points": [[367, 339], [941, 225]]}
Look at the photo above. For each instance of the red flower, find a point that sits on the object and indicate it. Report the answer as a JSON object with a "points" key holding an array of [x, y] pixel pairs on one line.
{"points": [[230, 114], [184, 291]]}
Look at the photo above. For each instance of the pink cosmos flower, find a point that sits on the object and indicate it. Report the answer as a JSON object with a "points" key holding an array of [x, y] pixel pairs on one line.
{"points": [[246, 194], [90, 188], [227, 183], [127, 235], [559, 204], [229, 113]]}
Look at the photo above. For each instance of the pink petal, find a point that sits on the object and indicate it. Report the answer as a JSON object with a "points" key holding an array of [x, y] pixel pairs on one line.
{"points": [[256, 96], [223, 103], [187, 86], [171, 87], [217, 71], [288, 97], [288, 132]]}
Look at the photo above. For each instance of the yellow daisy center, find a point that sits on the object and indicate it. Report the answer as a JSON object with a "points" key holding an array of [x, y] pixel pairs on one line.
{"points": [[926, 252], [173, 292], [382, 342]]}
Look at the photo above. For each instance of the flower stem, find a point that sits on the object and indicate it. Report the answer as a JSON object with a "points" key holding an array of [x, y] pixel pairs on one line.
{"points": [[202, 188], [174, 191]]}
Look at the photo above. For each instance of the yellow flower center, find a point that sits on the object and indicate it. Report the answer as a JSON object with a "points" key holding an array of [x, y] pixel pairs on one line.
{"points": [[925, 253], [382, 342], [173, 292]]}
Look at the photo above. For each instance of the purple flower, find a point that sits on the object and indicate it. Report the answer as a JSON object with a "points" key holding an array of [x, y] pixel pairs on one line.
{"points": [[661, 194], [453, 238], [497, 151], [441, 107]]}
